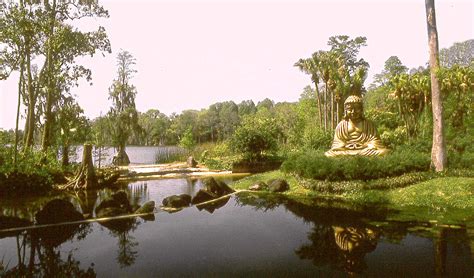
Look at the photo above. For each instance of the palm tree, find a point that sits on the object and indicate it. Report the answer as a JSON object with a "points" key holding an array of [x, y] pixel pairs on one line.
{"points": [[310, 66], [438, 149]]}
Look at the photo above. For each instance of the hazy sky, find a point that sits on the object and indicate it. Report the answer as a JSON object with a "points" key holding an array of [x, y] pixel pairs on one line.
{"points": [[191, 54]]}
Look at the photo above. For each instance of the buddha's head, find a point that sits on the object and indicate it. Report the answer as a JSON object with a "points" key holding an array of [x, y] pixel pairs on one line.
{"points": [[353, 108]]}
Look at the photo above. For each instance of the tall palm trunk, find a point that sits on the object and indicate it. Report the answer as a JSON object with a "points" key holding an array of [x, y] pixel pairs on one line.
{"points": [[332, 109], [318, 97], [325, 106], [438, 149]]}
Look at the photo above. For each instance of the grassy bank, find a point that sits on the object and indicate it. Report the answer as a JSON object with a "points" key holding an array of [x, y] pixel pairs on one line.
{"points": [[436, 192]]}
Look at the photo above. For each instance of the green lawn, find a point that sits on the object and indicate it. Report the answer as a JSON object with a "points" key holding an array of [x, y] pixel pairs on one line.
{"points": [[437, 193]]}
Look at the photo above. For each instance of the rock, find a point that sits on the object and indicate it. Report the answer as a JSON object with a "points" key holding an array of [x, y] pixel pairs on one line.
{"points": [[278, 185], [259, 186], [218, 188], [191, 162], [57, 211], [117, 204], [147, 207], [203, 196], [211, 207], [177, 201]]}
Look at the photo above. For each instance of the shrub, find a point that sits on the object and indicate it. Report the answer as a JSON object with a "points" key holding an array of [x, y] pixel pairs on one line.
{"points": [[215, 155], [255, 138], [34, 173], [315, 165], [187, 141]]}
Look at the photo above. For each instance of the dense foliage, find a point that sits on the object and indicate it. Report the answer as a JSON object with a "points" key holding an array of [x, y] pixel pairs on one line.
{"points": [[315, 165]]}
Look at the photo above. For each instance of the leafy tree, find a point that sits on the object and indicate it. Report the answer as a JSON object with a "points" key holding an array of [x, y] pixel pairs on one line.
{"points": [[460, 53], [411, 94], [100, 133], [336, 73], [457, 88], [255, 138], [123, 114], [42, 30], [62, 45], [393, 66], [266, 103], [246, 107], [154, 125], [73, 126], [187, 140]]}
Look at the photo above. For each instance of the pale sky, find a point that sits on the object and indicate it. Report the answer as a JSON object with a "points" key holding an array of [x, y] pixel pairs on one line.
{"points": [[191, 54]]}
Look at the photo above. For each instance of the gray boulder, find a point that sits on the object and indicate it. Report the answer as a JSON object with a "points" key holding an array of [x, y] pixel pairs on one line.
{"points": [[203, 196], [218, 188], [147, 207], [57, 211], [177, 201], [259, 186], [117, 204], [278, 185]]}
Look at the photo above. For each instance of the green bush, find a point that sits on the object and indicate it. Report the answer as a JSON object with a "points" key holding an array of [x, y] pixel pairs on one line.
{"points": [[217, 156], [34, 173], [315, 165], [255, 138]]}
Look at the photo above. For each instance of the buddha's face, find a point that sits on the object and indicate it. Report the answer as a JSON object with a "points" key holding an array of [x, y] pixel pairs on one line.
{"points": [[354, 111]]}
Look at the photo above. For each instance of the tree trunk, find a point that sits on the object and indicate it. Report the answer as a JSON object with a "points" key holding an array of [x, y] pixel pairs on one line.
{"points": [[49, 98], [332, 110], [326, 106], [30, 118], [121, 158], [65, 156], [438, 149], [85, 177], [318, 97], [20, 88]]}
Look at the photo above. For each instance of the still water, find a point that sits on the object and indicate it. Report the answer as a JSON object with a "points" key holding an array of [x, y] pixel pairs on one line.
{"points": [[137, 154], [246, 236]]}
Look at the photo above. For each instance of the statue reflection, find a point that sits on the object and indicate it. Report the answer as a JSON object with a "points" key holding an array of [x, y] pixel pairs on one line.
{"points": [[355, 243]]}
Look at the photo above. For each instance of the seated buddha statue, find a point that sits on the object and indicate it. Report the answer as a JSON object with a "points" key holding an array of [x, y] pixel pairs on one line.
{"points": [[355, 135]]}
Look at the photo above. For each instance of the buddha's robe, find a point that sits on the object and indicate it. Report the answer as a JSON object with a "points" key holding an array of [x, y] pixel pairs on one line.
{"points": [[356, 139]]}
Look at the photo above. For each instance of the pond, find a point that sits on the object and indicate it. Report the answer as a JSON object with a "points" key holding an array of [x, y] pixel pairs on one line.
{"points": [[246, 235]]}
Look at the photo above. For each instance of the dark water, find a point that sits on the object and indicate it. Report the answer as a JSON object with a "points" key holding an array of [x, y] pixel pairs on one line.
{"points": [[243, 236]]}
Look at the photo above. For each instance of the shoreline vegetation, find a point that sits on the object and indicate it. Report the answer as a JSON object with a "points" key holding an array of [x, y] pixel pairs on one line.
{"points": [[253, 137]]}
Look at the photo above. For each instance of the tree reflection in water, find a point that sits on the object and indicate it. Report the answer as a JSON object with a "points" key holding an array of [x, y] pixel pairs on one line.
{"points": [[127, 244], [44, 259], [342, 238]]}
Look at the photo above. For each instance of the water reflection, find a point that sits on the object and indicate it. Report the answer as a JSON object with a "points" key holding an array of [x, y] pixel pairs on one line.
{"points": [[314, 240], [342, 238], [38, 254]]}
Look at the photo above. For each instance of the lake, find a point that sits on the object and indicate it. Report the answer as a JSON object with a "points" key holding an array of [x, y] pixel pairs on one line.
{"points": [[246, 235], [137, 154]]}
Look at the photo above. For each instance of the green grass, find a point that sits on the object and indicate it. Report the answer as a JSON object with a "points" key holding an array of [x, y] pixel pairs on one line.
{"points": [[455, 192], [437, 193]]}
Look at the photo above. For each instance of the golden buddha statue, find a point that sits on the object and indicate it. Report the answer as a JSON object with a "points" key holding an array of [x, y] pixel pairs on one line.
{"points": [[356, 135]]}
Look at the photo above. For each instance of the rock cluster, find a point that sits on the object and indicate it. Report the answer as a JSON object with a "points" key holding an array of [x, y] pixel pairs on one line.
{"points": [[274, 185], [212, 189]]}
